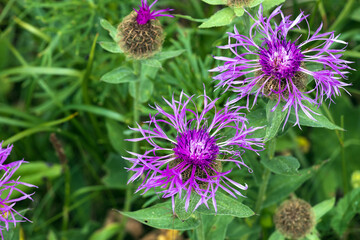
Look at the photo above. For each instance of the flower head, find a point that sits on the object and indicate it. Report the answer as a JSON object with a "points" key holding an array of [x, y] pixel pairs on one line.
{"points": [[7, 187], [189, 149], [279, 67], [294, 218], [144, 14]]}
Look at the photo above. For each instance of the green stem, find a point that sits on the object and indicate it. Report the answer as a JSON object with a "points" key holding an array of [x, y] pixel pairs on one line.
{"points": [[65, 223], [343, 15], [199, 231], [343, 160], [135, 148], [265, 178]]}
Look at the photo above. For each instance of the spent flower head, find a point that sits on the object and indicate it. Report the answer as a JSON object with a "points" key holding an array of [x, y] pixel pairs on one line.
{"points": [[189, 148], [278, 67], [140, 33], [7, 187]]}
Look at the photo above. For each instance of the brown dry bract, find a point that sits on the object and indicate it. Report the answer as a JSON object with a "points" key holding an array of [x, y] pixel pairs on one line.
{"points": [[274, 85], [140, 41], [294, 218], [199, 172], [238, 3]]}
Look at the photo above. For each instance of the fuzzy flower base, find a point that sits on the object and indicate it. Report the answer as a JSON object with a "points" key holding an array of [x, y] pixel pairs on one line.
{"points": [[189, 148], [7, 187], [268, 63]]}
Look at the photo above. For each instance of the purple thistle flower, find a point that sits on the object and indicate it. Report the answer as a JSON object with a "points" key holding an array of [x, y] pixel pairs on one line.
{"points": [[145, 14], [7, 187], [277, 68], [189, 147]]}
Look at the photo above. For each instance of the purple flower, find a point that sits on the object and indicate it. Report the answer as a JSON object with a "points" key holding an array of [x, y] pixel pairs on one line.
{"points": [[7, 187], [145, 14], [279, 68], [189, 148]]}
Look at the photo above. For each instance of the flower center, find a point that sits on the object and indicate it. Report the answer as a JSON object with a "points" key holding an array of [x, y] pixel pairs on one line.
{"points": [[280, 59], [196, 147]]}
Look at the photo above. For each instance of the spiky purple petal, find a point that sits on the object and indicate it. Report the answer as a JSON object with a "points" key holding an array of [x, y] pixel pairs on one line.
{"points": [[145, 14], [186, 141], [279, 59]]}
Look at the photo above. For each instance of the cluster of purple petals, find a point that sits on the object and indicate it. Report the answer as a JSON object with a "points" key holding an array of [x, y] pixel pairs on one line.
{"points": [[185, 139], [278, 57], [144, 14], [7, 187], [196, 147]]}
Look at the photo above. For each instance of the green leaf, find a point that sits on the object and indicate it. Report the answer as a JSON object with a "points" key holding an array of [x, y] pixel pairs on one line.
{"points": [[345, 210], [168, 54], [116, 134], [111, 47], [239, 11], [274, 119], [116, 174], [225, 206], [284, 165], [322, 121], [189, 18], [34, 173], [280, 186], [216, 2], [271, 3], [106, 232], [119, 75], [220, 18], [14, 230], [161, 216], [276, 236], [322, 208], [257, 118], [256, 2], [215, 227], [95, 110], [152, 62], [110, 28]]}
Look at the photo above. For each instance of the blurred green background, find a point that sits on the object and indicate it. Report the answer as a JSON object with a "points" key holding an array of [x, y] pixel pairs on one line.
{"points": [[50, 69]]}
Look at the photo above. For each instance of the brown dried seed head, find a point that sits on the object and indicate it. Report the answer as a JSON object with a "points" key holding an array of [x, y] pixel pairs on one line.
{"points": [[140, 41], [294, 218], [239, 3]]}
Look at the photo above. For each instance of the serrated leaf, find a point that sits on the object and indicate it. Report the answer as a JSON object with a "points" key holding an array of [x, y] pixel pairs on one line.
{"points": [[152, 62], [119, 75], [161, 216], [284, 165], [111, 47], [216, 2], [322, 208], [274, 119], [271, 3], [110, 28], [345, 210], [168, 54], [220, 18]]}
